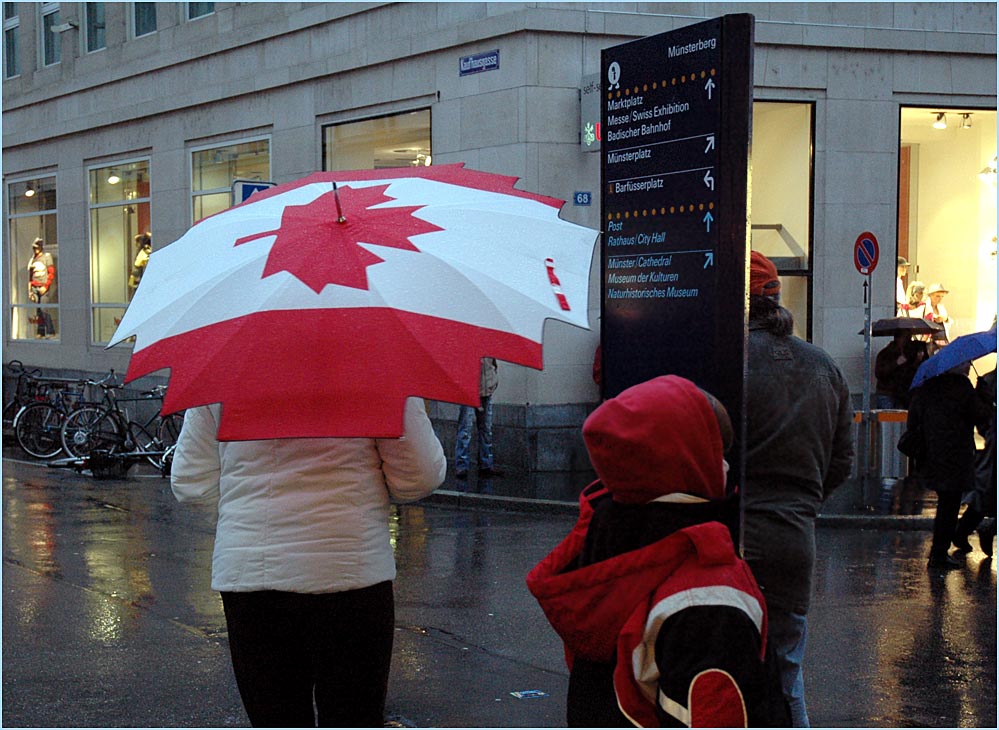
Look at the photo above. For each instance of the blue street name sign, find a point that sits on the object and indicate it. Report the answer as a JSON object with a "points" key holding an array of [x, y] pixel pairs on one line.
{"points": [[488, 61]]}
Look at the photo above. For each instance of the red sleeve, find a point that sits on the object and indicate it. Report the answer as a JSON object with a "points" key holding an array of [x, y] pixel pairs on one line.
{"points": [[48, 282]]}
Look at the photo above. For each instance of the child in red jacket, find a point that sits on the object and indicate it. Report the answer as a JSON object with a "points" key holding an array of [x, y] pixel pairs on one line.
{"points": [[663, 624]]}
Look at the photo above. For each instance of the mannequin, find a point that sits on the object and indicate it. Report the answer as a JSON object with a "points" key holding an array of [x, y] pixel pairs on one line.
{"points": [[144, 244], [41, 276]]}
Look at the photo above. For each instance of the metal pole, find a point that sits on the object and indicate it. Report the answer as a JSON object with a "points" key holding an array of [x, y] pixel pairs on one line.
{"points": [[865, 416]]}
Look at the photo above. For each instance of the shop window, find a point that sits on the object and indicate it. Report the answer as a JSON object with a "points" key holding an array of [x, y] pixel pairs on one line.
{"points": [[34, 270], [11, 41], [143, 19], [400, 140], [51, 44], [213, 170], [782, 207], [120, 240], [95, 27], [947, 211], [199, 10]]}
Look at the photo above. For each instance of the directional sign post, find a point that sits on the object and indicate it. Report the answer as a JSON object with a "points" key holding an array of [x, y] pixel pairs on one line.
{"points": [[675, 128]]}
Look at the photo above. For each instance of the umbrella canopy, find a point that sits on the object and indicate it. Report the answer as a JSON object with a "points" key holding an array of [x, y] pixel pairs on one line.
{"points": [[903, 326], [959, 352], [317, 307]]}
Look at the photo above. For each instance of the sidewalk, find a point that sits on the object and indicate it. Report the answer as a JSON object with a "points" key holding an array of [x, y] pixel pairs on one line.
{"points": [[905, 507]]}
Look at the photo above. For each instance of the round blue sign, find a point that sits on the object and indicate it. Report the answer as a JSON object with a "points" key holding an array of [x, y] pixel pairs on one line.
{"points": [[866, 252]]}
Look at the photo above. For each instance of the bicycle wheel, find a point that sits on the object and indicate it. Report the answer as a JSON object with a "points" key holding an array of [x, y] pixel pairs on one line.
{"points": [[169, 429], [36, 428], [90, 428], [9, 412], [142, 440]]}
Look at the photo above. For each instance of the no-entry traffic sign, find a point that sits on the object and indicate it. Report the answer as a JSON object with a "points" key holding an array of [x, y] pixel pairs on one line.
{"points": [[866, 253]]}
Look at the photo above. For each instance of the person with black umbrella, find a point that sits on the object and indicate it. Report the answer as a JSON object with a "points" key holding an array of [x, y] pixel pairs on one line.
{"points": [[894, 369]]}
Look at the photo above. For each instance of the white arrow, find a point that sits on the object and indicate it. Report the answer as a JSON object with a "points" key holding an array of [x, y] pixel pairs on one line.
{"points": [[707, 220], [709, 257], [710, 86], [711, 144], [708, 180]]}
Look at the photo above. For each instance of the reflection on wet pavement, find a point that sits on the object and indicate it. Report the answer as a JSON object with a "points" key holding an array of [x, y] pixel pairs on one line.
{"points": [[109, 620]]}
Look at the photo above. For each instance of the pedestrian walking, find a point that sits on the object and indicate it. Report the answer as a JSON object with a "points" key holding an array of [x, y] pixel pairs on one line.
{"points": [[942, 418], [304, 562], [489, 380], [798, 449], [663, 624]]}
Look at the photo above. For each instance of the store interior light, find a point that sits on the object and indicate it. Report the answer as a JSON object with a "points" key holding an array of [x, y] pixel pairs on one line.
{"points": [[113, 178], [941, 122], [30, 191], [965, 121]]}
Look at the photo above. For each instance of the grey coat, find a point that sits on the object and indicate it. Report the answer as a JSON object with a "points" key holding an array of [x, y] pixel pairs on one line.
{"points": [[799, 448]]}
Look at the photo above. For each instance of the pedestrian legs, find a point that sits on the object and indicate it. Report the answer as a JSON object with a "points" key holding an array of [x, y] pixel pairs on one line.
{"points": [[484, 425], [290, 648], [944, 524], [786, 633], [463, 440]]}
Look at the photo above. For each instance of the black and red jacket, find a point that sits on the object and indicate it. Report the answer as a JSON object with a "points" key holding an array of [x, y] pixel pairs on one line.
{"points": [[663, 625]]}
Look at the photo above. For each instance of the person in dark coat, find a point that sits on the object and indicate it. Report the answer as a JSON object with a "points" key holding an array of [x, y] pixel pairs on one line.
{"points": [[798, 448], [894, 369], [981, 511], [945, 410], [663, 624]]}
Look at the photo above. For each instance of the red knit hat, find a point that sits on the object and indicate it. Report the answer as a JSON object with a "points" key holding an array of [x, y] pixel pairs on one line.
{"points": [[763, 279], [656, 438]]}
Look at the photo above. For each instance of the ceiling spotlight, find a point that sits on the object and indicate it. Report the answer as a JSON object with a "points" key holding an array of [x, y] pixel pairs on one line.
{"points": [[965, 121], [30, 191], [113, 178], [941, 122]]}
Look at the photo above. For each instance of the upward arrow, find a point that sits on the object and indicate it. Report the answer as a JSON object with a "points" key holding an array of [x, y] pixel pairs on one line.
{"points": [[707, 220], [710, 87]]}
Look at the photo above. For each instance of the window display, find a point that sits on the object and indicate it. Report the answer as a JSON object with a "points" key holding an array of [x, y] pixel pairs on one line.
{"points": [[213, 170], [400, 140], [782, 208], [120, 240], [31, 206]]}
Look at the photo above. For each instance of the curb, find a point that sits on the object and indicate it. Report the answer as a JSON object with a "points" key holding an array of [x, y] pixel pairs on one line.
{"points": [[447, 497]]}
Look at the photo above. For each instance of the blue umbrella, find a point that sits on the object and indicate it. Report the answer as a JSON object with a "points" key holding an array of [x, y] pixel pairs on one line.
{"points": [[959, 352]]}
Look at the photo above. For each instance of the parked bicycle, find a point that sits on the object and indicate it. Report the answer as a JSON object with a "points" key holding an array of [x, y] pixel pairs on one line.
{"points": [[107, 428], [26, 390], [38, 425]]}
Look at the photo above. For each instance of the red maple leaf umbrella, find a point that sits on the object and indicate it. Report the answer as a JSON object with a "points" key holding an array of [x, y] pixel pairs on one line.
{"points": [[317, 307]]}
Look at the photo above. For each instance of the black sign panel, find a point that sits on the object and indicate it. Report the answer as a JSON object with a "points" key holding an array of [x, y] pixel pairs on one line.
{"points": [[674, 171]]}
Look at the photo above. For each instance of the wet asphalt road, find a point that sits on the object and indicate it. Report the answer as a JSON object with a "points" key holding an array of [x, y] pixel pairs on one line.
{"points": [[109, 621]]}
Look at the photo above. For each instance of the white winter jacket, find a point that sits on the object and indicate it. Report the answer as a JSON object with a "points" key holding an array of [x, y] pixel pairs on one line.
{"points": [[304, 515]]}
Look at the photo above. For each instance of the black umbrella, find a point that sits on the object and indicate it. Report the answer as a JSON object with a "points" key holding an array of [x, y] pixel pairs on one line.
{"points": [[903, 326]]}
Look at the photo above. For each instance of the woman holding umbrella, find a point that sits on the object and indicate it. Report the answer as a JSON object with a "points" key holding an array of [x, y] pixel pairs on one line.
{"points": [[303, 560]]}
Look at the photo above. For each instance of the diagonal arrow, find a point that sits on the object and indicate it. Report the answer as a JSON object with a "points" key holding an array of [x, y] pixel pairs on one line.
{"points": [[709, 259], [711, 144]]}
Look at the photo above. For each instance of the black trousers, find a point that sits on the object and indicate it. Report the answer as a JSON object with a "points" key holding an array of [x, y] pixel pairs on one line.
{"points": [[945, 522], [290, 648]]}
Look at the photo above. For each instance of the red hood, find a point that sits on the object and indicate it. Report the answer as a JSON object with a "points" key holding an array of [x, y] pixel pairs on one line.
{"points": [[657, 438]]}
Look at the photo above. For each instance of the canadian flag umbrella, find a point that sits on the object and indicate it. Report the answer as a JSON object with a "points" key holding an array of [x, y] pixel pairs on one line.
{"points": [[317, 307]]}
